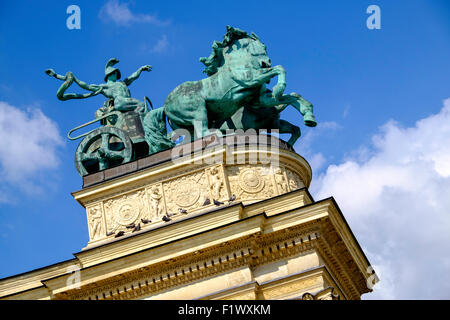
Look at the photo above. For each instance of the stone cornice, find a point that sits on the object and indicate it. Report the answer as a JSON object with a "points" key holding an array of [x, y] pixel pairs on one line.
{"points": [[31, 280], [244, 252], [259, 249], [225, 239]]}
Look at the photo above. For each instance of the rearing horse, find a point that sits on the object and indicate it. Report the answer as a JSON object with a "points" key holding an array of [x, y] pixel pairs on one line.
{"points": [[238, 69]]}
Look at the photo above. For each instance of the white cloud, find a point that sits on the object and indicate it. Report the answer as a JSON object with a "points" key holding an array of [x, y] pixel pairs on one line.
{"points": [[323, 128], [304, 145], [120, 14], [346, 111], [316, 161], [29, 146], [161, 45], [397, 201]]}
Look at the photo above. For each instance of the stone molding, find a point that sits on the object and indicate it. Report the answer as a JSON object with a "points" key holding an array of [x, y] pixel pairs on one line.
{"points": [[118, 209], [250, 252]]}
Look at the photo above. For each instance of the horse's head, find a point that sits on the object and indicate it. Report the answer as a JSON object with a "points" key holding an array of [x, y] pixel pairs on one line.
{"points": [[237, 48]]}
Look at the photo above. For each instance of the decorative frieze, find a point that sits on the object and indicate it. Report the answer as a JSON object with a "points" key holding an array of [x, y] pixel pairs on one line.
{"points": [[188, 192]]}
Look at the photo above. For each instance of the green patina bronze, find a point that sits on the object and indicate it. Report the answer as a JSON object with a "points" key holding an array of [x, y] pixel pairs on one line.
{"points": [[122, 138], [267, 117], [238, 70], [117, 92], [233, 96]]}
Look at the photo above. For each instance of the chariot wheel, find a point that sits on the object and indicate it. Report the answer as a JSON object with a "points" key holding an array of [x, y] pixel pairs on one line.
{"points": [[103, 148]]}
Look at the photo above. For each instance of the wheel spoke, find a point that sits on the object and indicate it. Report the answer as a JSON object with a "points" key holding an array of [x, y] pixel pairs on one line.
{"points": [[105, 142], [102, 164], [115, 154], [108, 151], [88, 156]]}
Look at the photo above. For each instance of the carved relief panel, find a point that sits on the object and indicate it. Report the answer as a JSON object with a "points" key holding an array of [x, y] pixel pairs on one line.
{"points": [[280, 179], [294, 180], [217, 183], [156, 203], [187, 192], [95, 222], [125, 210], [251, 182]]}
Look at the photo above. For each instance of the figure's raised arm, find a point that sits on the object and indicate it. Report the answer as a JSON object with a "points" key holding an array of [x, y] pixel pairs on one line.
{"points": [[136, 74], [90, 87], [68, 79]]}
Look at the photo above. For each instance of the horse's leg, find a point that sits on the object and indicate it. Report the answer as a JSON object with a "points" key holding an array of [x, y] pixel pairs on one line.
{"points": [[187, 134], [278, 89], [190, 114], [306, 109], [185, 108], [200, 121], [287, 127], [263, 77], [303, 106]]}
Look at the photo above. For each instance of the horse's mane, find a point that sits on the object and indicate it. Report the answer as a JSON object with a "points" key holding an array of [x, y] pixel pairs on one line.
{"points": [[215, 59]]}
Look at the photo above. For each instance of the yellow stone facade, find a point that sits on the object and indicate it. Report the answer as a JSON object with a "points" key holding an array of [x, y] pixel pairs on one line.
{"points": [[236, 227]]}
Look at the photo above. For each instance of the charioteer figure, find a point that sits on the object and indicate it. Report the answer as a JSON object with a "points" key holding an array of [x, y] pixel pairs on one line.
{"points": [[122, 138], [117, 92]]}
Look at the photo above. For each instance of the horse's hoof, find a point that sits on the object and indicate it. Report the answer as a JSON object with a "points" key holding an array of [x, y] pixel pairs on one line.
{"points": [[310, 123], [310, 120]]}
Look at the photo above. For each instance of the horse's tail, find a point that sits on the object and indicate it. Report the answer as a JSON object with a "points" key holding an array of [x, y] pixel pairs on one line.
{"points": [[146, 105], [156, 131]]}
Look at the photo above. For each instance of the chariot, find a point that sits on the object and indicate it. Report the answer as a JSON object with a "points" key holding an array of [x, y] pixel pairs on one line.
{"points": [[121, 139]]}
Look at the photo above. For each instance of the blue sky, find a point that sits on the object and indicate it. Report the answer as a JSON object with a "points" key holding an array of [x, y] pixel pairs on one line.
{"points": [[378, 97]]}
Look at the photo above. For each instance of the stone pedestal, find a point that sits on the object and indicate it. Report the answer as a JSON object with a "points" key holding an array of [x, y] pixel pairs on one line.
{"points": [[217, 220], [182, 186]]}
